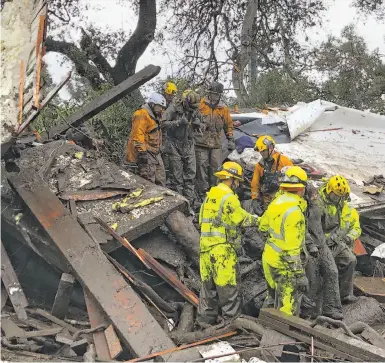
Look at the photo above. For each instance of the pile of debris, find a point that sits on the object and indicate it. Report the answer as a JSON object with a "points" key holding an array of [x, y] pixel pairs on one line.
{"points": [[99, 264]]}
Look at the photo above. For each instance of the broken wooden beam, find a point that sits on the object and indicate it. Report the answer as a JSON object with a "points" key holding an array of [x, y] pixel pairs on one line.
{"points": [[330, 340], [42, 105], [134, 323], [96, 318], [12, 285], [63, 296], [113, 343], [122, 240], [37, 333], [105, 100], [169, 278], [54, 319]]}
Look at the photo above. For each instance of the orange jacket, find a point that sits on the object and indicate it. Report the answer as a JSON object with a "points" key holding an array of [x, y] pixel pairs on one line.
{"points": [[145, 134], [259, 168], [213, 121]]}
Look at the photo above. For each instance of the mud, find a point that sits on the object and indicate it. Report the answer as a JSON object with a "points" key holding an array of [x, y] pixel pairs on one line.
{"points": [[366, 309]]}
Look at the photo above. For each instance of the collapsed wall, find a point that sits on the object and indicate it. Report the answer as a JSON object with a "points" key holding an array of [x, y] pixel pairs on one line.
{"points": [[19, 33]]}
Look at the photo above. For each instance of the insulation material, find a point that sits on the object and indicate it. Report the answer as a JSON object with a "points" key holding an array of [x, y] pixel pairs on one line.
{"points": [[217, 349]]}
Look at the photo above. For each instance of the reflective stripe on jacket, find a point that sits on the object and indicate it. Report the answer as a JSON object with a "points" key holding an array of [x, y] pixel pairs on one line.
{"points": [[214, 120], [285, 223], [220, 216], [259, 168], [341, 217], [145, 134]]}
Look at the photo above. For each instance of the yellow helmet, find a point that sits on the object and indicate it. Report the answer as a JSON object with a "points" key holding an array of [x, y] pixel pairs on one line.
{"points": [[263, 143], [338, 185], [191, 97], [170, 88], [293, 177], [230, 169]]}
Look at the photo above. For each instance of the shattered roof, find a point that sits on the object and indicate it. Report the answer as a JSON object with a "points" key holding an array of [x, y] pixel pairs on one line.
{"points": [[334, 139]]}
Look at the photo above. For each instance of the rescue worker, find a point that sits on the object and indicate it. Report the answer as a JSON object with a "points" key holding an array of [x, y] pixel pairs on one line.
{"points": [[264, 183], [179, 119], [169, 93], [220, 219], [325, 290], [208, 144], [145, 140], [341, 227], [284, 222]]}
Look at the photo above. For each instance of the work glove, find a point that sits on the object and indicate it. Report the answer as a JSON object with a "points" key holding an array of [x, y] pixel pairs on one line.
{"points": [[196, 123], [256, 205], [230, 144], [183, 121], [313, 251], [142, 158], [302, 283]]}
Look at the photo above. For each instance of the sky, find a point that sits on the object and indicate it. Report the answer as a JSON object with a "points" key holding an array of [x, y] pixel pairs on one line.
{"points": [[115, 16]]}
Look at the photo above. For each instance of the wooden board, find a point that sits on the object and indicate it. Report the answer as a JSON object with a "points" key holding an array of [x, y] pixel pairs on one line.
{"points": [[12, 285], [371, 286], [134, 323], [105, 100], [359, 349], [97, 318]]}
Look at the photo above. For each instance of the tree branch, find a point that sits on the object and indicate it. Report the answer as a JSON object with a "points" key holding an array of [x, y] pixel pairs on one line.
{"points": [[140, 39], [95, 55], [79, 58]]}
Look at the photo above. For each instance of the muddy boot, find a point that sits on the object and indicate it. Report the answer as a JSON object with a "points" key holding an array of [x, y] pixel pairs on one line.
{"points": [[350, 299]]}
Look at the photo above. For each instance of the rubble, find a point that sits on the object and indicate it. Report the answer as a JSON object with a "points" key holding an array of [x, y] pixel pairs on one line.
{"points": [[122, 283]]}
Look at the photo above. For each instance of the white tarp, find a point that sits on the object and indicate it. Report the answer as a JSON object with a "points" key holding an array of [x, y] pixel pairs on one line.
{"points": [[379, 251]]}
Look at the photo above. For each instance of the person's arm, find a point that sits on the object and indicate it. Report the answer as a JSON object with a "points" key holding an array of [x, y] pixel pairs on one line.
{"points": [[255, 182], [294, 233], [228, 123], [350, 221], [138, 131], [237, 215]]}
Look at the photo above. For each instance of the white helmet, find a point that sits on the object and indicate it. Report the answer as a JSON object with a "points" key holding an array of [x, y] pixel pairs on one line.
{"points": [[157, 99]]}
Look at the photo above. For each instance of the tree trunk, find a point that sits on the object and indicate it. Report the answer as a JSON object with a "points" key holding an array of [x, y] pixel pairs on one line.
{"points": [[242, 58]]}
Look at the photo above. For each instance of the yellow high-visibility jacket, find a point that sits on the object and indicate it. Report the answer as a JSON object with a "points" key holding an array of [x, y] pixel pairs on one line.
{"points": [[342, 216], [221, 214], [285, 223]]}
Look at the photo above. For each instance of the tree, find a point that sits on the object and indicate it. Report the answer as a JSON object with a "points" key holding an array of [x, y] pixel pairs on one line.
{"points": [[97, 49], [244, 37], [374, 7], [353, 76]]}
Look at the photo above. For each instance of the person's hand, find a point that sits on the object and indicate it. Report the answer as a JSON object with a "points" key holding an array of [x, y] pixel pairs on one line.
{"points": [[183, 121], [302, 283], [142, 158], [313, 251], [257, 207], [230, 144]]}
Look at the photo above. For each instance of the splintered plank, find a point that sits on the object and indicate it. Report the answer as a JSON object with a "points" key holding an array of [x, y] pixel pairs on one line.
{"points": [[113, 342], [63, 296], [106, 99], [97, 318], [129, 315], [371, 286], [12, 285], [360, 350], [169, 278]]}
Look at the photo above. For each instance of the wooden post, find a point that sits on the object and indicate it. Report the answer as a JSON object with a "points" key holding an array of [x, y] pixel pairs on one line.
{"points": [[63, 296], [12, 285]]}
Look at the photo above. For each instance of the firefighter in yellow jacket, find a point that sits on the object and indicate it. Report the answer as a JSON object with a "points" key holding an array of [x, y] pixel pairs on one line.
{"points": [[144, 143], [341, 227], [284, 222], [220, 219]]}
